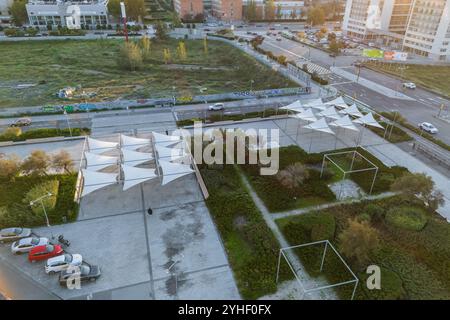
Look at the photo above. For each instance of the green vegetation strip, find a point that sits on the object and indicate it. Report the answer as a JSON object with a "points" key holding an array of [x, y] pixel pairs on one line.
{"points": [[251, 247], [17, 135]]}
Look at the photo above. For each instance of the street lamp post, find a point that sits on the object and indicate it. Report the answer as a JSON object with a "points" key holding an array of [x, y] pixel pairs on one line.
{"points": [[42, 204], [393, 122], [68, 122], [251, 85], [124, 17]]}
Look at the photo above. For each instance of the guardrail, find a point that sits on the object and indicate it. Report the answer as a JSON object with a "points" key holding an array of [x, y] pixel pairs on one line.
{"points": [[432, 153]]}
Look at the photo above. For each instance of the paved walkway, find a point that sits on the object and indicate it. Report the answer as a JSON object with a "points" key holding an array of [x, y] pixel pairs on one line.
{"points": [[391, 154]]}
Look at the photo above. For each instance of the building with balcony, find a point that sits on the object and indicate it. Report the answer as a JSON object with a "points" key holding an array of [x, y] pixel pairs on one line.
{"points": [[189, 10], [227, 10]]}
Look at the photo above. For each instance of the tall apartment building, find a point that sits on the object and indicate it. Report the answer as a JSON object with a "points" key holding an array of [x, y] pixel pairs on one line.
{"points": [[284, 9], [428, 31], [91, 13], [418, 26], [227, 10], [188, 9], [4, 10]]}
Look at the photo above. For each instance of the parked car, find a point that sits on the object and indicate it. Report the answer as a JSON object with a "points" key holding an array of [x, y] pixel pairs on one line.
{"points": [[63, 262], [21, 122], [45, 252], [216, 107], [409, 85], [26, 244], [278, 39], [428, 127], [85, 272], [14, 234], [332, 54]]}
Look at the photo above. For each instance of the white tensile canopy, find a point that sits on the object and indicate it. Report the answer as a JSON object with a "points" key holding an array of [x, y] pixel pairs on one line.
{"points": [[99, 146], [307, 115], [134, 158], [320, 125], [264, 146], [134, 176], [352, 111], [294, 106], [132, 143], [344, 122], [369, 120], [314, 102], [330, 113], [97, 162], [172, 153], [338, 102], [172, 171], [164, 139], [93, 180]]}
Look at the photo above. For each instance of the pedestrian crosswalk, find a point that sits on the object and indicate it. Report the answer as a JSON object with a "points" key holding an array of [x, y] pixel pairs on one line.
{"points": [[312, 67]]}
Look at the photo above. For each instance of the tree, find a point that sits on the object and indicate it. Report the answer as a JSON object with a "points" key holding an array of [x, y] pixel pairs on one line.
{"points": [[114, 8], [135, 9], [205, 45], [37, 163], [269, 10], [279, 12], [181, 51], [358, 241], [63, 161], [130, 57], [316, 16], [335, 47], [176, 21], [161, 30], [167, 56], [18, 12], [145, 44], [11, 133], [250, 14], [293, 176], [9, 167], [419, 185]]}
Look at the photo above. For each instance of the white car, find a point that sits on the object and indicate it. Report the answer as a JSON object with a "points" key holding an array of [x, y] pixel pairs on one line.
{"points": [[62, 262], [14, 234], [409, 85], [216, 106], [428, 127], [26, 244]]}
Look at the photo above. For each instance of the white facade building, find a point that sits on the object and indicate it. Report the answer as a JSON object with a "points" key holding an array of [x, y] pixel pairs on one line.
{"points": [[66, 13]]}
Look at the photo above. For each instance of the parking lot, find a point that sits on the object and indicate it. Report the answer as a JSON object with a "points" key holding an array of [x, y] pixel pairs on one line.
{"points": [[174, 253]]}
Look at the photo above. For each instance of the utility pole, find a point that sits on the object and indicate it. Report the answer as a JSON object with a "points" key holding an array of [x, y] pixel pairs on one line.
{"points": [[124, 18]]}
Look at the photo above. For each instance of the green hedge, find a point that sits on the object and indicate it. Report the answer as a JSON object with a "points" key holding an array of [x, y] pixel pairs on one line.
{"points": [[251, 247], [46, 133], [409, 218]]}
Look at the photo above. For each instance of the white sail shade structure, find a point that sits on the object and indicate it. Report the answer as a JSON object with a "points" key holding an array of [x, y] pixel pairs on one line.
{"points": [[99, 146], [368, 120], [352, 111], [93, 180], [134, 158], [164, 139], [316, 104], [294, 106], [169, 154], [264, 146], [320, 125], [132, 143], [134, 176], [344, 122], [338, 102], [330, 113], [307, 115], [172, 171], [97, 162]]}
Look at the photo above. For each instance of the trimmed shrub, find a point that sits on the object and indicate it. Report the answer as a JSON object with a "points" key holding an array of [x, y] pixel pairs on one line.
{"points": [[408, 218], [41, 190]]}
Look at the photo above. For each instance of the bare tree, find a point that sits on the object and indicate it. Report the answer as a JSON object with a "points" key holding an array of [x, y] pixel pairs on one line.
{"points": [[9, 167], [293, 176], [63, 161], [37, 163]]}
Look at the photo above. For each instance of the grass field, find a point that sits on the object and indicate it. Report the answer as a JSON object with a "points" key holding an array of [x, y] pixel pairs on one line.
{"points": [[92, 64], [432, 77]]}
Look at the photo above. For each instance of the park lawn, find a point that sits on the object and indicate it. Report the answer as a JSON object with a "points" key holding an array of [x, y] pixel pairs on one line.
{"points": [[251, 247], [92, 64], [414, 264], [428, 76], [12, 194]]}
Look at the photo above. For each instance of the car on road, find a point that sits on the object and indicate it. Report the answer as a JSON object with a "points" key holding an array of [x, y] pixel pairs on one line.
{"points": [[85, 273], [62, 262], [26, 244], [14, 234], [409, 85], [216, 107], [332, 54], [48, 251], [428, 127], [278, 39], [21, 122]]}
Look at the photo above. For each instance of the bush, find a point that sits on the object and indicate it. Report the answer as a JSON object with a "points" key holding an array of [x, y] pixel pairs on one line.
{"points": [[408, 218], [44, 133], [40, 190], [391, 286], [11, 133], [374, 211]]}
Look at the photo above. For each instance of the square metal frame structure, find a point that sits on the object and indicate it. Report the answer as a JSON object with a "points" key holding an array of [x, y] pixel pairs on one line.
{"points": [[345, 172], [327, 243]]}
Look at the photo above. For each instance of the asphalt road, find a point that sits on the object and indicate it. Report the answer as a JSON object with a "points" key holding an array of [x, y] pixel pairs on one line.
{"points": [[425, 108]]}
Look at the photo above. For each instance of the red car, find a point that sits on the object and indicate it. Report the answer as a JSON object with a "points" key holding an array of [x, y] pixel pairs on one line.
{"points": [[44, 252]]}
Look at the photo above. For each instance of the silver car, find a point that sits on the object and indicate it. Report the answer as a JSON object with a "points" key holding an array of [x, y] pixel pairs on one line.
{"points": [[26, 244], [13, 234]]}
